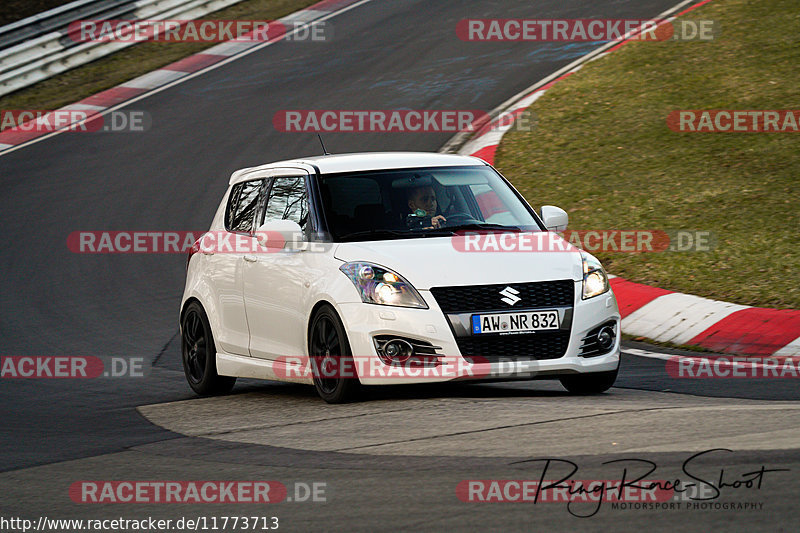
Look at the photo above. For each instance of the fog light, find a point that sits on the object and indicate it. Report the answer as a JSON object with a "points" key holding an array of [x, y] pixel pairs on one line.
{"points": [[398, 350], [605, 338], [393, 349]]}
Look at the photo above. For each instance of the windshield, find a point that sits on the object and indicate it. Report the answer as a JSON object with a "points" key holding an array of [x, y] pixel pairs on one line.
{"points": [[408, 203]]}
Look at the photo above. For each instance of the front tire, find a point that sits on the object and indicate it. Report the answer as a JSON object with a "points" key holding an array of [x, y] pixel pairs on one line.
{"points": [[328, 347], [199, 354], [592, 383]]}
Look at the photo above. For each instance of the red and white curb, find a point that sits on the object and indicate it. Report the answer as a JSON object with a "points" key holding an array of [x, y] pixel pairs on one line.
{"points": [[172, 74], [678, 318], [650, 312]]}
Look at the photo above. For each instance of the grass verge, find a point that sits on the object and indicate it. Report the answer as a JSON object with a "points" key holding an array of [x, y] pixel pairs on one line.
{"points": [[602, 151], [134, 61]]}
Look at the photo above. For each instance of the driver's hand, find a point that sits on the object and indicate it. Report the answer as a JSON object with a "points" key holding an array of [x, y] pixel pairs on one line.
{"points": [[438, 221]]}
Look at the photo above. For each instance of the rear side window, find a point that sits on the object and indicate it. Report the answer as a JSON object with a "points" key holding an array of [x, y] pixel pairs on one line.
{"points": [[287, 200], [242, 206]]}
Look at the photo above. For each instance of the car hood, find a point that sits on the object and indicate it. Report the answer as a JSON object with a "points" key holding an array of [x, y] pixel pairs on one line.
{"points": [[441, 261]]}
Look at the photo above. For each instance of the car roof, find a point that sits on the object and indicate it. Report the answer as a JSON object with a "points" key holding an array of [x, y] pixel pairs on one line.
{"points": [[333, 164]]}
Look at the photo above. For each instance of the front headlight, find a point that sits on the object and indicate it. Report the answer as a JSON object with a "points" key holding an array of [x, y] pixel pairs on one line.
{"points": [[379, 285], [595, 280]]}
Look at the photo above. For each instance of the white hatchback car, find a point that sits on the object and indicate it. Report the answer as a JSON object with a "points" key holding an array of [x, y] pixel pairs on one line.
{"points": [[379, 268]]}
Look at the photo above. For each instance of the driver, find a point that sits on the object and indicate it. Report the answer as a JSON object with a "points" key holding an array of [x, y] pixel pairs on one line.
{"points": [[422, 203]]}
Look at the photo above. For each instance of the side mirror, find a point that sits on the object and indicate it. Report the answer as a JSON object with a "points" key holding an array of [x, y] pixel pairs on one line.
{"points": [[554, 218], [281, 234]]}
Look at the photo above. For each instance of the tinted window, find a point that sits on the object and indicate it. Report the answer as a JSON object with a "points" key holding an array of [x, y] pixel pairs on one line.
{"points": [[287, 201], [346, 193], [401, 203], [242, 206]]}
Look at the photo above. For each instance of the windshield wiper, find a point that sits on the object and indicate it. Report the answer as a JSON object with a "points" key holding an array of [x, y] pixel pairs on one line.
{"points": [[449, 230], [424, 232], [359, 235]]}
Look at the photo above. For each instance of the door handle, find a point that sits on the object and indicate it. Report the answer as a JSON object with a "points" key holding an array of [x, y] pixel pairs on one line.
{"points": [[250, 258]]}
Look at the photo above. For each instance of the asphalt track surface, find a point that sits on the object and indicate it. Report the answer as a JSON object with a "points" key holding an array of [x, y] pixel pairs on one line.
{"points": [[393, 461]]}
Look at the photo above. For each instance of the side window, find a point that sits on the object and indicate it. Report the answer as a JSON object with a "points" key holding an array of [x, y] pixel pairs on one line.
{"points": [[287, 201], [242, 206]]}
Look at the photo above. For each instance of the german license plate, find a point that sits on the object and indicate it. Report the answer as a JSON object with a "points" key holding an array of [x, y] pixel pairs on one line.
{"points": [[521, 322]]}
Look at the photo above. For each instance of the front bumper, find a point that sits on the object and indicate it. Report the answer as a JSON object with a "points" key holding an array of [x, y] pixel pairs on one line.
{"points": [[364, 321]]}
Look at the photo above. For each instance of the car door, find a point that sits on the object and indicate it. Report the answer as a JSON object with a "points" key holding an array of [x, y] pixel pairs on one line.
{"points": [[274, 293], [226, 264]]}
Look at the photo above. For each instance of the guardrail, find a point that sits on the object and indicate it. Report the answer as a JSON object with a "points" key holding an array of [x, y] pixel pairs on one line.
{"points": [[38, 47], [59, 17]]}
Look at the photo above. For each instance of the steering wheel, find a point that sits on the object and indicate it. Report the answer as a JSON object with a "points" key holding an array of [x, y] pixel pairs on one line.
{"points": [[458, 219]]}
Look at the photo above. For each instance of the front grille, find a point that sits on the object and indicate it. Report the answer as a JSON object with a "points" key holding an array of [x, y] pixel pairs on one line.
{"points": [[481, 298], [539, 345]]}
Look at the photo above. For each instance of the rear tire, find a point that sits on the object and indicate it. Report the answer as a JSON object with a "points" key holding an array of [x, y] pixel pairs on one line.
{"points": [[327, 341], [199, 354], [592, 383]]}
